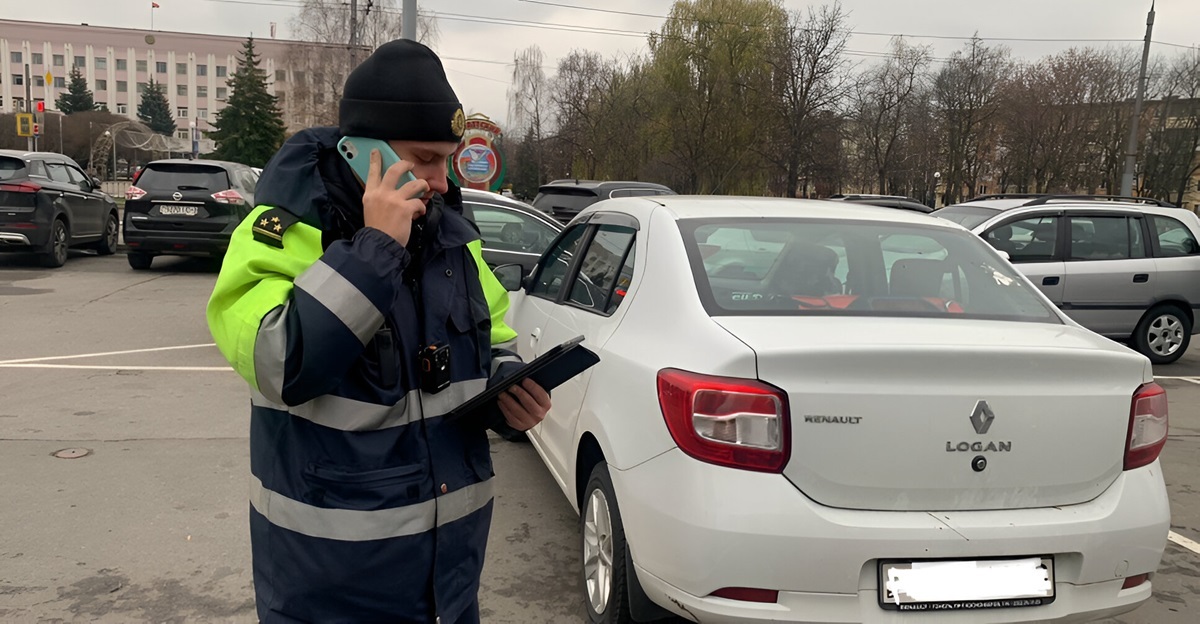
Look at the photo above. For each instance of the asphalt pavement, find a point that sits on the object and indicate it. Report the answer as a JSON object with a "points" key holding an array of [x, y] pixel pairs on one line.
{"points": [[124, 459]]}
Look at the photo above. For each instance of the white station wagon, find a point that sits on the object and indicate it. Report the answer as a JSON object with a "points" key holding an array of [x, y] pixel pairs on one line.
{"points": [[816, 413]]}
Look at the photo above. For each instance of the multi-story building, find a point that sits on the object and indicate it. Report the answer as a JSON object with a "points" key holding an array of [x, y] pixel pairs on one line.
{"points": [[194, 68]]}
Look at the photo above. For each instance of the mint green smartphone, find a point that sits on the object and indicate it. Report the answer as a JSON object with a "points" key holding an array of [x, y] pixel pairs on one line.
{"points": [[357, 152]]}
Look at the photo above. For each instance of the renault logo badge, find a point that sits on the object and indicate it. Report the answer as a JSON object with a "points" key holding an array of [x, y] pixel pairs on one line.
{"points": [[982, 417]]}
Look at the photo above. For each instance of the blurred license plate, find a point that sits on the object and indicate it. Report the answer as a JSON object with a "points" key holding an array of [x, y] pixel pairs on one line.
{"points": [[951, 585], [178, 211]]}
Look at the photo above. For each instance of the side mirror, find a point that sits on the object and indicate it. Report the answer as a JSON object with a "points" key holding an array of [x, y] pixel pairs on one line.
{"points": [[511, 276]]}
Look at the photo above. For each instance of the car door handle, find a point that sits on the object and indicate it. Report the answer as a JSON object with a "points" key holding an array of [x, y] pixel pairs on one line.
{"points": [[1050, 281], [1141, 278], [536, 334]]}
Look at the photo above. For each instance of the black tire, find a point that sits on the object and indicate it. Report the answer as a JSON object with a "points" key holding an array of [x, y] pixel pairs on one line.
{"points": [[107, 245], [140, 260], [55, 253], [1163, 334], [599, 501]]}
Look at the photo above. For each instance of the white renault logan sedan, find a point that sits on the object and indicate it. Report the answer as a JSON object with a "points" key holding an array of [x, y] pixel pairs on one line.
{"points": [[816, 413]]}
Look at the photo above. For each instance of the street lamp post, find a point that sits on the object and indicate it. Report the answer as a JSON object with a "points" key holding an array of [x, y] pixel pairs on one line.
{"points": [[937, 176], [195, 140]]}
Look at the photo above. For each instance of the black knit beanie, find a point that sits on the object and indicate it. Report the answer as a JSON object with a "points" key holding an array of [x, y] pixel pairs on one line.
{"points": [[400, 92]]}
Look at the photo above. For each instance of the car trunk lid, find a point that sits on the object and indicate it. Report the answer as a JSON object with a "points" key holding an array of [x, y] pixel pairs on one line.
{"points": [[181, 196]]}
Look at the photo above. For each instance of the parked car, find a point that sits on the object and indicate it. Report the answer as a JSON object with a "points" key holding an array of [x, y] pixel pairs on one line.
{"points": [[48, 205], [186, 207], [513, 232], [1126, 268], [563, 199], [887, 201], [799, 406]]}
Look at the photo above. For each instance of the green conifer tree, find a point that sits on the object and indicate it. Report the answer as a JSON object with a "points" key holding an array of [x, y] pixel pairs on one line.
{"points": [[250, 128]]}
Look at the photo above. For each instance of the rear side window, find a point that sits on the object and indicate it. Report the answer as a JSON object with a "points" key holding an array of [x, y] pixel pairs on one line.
{"points": [[1106, 238], [1174, 238], [601, 266], [11, 168], [183, 177], [58, 172], [853, 268]]}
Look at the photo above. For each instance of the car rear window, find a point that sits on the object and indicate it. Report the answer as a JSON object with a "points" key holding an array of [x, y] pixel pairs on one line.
{"points": [[571, 200], [966, 216], [11, 168], [784, 267], [183, 177]]}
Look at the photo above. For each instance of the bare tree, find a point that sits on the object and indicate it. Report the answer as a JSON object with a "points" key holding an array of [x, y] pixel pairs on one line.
{"points": [[882, 104], [529, 103], [967, 93], [1172, 149], [320, 65]]}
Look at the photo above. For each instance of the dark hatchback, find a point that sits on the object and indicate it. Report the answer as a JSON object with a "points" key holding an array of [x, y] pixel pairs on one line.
{"points": [[563, 199], [513, 232], [186, 208], [48, 205]]}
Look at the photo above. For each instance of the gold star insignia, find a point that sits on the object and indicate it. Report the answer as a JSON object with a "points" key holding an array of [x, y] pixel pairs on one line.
{"points": [[263, 223], [274, 219], [278, 227]]}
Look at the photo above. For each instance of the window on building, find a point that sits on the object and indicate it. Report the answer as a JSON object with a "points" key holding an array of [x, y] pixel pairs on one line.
{"points": [[122, 86], [101, 63], [221, 71], [101, 85], [201, 113], [181, 69], [122, 109], [182, 134], [140, 65], [122, 65], [39, 81], [160, 67], [180, 89], [18, 80], [181, 111], [221, 93], [59, 60], [141, 87], [60, 83], [19, 104], [15, 56], [81, 62], [201, 91], [298, 77], [318, 98], [36, 58], [280, 75], [202, 70]]}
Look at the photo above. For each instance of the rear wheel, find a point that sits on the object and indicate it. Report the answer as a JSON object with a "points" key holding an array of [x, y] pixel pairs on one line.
{"points": [[55, 254], [107, 245], [1163, 334], [140, 260], [604, 575]]}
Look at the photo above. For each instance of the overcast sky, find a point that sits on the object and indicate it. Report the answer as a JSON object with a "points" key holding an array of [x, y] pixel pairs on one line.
{"points": [[482, 86]]}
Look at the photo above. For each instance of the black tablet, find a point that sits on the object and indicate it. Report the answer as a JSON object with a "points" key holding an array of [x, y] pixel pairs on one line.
{"points": [[549, 370]]}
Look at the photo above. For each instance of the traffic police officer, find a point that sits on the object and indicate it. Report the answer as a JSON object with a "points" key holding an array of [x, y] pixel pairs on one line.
{"points": [[365, 504]]}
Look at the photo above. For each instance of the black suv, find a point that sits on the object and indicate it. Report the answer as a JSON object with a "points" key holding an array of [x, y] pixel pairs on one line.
{"points": [[186, 208], [48, 204], [563, 199]]}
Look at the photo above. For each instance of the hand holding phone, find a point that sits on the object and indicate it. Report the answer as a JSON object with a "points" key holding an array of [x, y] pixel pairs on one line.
{"points": [[356, 151], [389, 205]]}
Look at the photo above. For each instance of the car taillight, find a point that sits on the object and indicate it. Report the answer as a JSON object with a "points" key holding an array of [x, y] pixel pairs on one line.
{"points": [[747, 594], [739, 423], [1147, 426], [134, 192], [229, 197], [1134, 581], [21, 187]]}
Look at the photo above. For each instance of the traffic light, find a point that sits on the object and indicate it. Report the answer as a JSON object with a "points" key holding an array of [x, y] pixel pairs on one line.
{"points": [[41, 107], [37, 129]]}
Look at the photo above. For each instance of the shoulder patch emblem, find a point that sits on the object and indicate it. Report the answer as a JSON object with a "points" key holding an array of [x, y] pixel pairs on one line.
{"points": [[269, 226]]}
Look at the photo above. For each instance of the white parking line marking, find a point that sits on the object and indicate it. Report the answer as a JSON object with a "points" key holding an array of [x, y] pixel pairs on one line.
{"points": [[145, 368], [1195, 380], [1184, 542], [88, 355]]}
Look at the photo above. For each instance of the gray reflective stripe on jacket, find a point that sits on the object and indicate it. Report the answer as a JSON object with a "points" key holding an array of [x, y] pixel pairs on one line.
{"points": [[342, 298], [352, 525], [345, 414]]}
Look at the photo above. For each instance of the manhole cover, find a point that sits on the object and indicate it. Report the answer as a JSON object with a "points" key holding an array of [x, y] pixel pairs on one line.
{"points": [[72, 453]]}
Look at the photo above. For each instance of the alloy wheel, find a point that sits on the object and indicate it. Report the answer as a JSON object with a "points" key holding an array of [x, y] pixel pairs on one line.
{"points": [[598, 551], [1165, 334]]}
